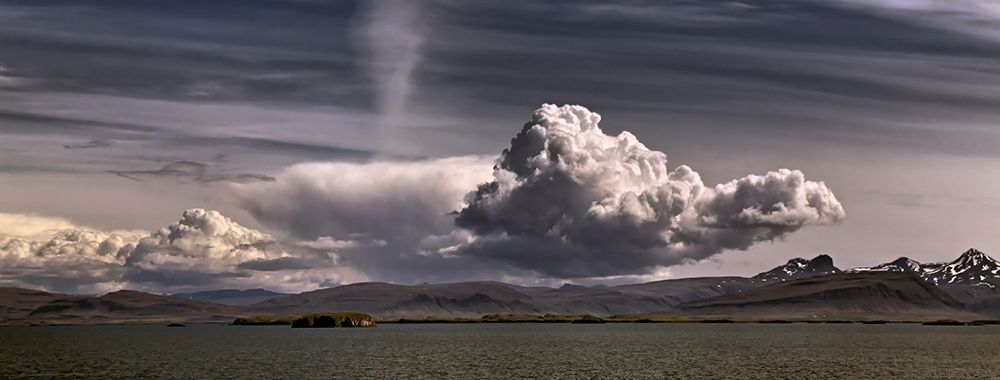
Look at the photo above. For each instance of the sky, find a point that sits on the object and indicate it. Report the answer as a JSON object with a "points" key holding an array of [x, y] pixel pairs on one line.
{"points": [[184, 145]]}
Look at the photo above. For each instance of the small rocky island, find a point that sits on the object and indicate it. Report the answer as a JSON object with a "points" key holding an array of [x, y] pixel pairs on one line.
{"points": [[343, 319]]}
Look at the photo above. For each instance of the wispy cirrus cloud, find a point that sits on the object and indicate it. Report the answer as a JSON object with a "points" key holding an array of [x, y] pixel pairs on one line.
{"points": [[980, 18]]}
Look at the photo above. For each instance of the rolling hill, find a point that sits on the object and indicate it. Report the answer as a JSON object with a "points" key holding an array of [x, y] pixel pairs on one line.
{"points": [[231, 296], [22, 306], [475, 299]]}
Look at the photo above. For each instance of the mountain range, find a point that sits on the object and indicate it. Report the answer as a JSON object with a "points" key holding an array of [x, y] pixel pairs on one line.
{"points": [[900, 290], [972, 267]]}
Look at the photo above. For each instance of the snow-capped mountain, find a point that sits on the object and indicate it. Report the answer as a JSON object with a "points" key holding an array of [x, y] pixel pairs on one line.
{"points": [[902, 264], [972, 266], [798, 268]]}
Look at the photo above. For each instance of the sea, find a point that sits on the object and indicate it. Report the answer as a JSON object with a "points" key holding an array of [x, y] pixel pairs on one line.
{"points": [[503, 351]]}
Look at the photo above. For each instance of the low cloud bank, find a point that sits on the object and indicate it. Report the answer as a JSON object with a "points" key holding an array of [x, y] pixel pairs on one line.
{"points": [[202, 250], [380, 200]]}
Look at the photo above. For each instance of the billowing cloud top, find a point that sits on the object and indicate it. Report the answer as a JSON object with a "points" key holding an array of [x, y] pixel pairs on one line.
{"points": [[53, 253], [569, 200], [203, 239]]}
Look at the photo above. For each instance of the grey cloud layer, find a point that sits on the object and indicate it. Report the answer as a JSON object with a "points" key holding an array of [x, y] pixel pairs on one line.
{"points": [[808, 72], [824, 72], [824, 69]]}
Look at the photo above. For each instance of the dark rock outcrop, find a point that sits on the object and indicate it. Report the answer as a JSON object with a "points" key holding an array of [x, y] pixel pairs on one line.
{"points": [[343, 319], [588, 319]]}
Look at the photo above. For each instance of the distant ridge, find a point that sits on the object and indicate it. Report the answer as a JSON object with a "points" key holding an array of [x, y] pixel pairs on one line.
{"points": [[475, 299], [231, 296], [575, 286]]}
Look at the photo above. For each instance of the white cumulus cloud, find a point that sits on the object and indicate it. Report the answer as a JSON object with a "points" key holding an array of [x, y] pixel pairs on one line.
{"points": [[203, 250], [568, 200]]}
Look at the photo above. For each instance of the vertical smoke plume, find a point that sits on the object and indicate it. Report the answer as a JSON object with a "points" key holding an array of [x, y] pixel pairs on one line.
{"points": [[390, 39]]}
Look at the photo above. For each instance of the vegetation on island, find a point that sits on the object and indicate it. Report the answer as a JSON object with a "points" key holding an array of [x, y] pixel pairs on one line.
{"points": [[265, 320]]}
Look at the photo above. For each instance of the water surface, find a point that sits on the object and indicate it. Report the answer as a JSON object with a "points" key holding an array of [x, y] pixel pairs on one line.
{"points": [[674, 351]]}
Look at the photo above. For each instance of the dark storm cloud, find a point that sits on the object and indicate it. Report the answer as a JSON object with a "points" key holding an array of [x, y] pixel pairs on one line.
{"points": [[197, 171], [837, 71], [91, 145], [13, 122]]}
